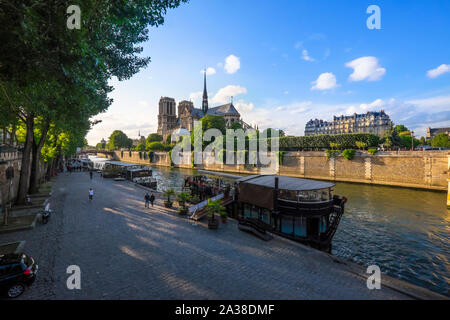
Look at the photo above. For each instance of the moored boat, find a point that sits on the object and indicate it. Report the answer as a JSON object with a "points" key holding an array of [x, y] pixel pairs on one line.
{"points": [[299, 209]]}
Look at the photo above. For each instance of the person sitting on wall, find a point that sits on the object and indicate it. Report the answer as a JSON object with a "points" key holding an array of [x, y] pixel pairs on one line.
{"points": [[28, 200]]}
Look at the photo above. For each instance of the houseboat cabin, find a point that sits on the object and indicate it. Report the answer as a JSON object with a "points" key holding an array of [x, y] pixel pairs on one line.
{"points": [[299, 209]]}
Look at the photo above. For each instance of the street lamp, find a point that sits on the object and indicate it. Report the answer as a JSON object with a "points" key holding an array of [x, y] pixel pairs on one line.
{"points": [[412, 140]]}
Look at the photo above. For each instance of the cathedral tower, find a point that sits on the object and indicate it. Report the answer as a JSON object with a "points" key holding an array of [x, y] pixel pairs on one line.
{"points": [[167, 118]]}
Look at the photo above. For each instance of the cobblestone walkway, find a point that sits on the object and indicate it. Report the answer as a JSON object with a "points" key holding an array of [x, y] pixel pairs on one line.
{"points": [[126, 251]]}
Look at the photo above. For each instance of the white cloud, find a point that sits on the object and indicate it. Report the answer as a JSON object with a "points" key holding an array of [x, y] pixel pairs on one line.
{"points": [[209, 71], [297, 107], [243, 107], [434, 73], [196, 97], [232, 64], [298, 44], [366, 68], [224, 95], [306, 57], [325, 81]]}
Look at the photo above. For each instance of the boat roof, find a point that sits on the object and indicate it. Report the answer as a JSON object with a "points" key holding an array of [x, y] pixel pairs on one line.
{"points": [[123, 164], [286, 183], [139, 169]]}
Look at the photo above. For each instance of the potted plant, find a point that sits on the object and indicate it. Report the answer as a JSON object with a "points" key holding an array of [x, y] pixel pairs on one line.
{"points": [[223, 216], [194, 199], [182, 198], [168, 193], [212, 208]]}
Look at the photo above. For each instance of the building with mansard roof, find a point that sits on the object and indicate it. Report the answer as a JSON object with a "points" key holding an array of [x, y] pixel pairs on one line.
{"points": [[371, 122], [171, 118], [433, 132]]}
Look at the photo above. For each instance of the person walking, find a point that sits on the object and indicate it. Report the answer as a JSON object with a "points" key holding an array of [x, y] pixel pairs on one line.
{"points": [[152, 199], [91, 194], [147, 200], [90, 174]]}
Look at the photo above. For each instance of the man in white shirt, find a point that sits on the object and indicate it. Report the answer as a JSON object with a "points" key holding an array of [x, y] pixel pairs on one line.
{"points": [[91, 194]]}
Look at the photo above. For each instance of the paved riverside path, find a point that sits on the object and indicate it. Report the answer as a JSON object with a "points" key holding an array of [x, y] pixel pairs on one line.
{"points": [[126, 251]]}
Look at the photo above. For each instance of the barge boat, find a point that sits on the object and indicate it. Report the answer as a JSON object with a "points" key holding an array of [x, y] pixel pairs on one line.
{"points": [[302, 210]]}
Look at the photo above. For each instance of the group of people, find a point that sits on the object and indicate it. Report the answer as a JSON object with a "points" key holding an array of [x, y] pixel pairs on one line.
{"points": [[149, 199]]}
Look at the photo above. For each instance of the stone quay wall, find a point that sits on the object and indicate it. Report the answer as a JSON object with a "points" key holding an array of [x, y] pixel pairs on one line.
{"points": [[8, 189], [412, 169]]}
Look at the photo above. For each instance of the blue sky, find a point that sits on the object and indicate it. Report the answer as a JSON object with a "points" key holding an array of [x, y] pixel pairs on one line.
{"points": [[286, 62]]}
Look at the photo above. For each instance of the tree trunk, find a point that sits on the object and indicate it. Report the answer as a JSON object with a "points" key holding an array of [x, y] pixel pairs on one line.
{"points": [[34, 178], [26, 158]]}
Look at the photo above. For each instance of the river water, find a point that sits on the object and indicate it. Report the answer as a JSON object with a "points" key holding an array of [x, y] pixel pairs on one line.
{"points": [[405, 232]]}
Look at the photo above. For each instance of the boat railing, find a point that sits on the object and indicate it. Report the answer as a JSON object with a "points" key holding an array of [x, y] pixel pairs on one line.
{"points": [[315, 208]]}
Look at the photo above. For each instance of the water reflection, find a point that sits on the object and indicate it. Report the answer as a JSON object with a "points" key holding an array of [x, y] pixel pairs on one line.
{"points": [[406, 232]]}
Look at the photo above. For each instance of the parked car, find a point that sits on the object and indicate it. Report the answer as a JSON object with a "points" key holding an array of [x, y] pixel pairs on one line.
{"points": [[17, 271]]}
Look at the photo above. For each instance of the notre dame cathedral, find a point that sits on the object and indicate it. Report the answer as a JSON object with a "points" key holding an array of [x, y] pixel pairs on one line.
{"points": [[169, 122]]}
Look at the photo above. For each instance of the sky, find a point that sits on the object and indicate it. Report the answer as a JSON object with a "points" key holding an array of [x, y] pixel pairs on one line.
{"points": [[286, 62]]}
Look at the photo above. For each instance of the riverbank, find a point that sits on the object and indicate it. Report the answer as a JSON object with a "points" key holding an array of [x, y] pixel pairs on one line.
{"points": [[403, 230], [426, 170], [172, 258]]}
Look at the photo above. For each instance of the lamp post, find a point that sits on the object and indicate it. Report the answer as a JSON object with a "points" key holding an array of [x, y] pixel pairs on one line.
{"points": [[412, 140]]}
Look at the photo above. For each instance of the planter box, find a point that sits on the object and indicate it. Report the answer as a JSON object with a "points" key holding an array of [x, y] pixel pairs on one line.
{"points": [[213, 224], [168, 204]]}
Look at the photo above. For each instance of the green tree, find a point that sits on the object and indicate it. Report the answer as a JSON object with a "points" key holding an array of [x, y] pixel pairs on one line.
{"points": [[154, 137], [236, 126], [400, 128], [361, 145], [118, 140], [441, 140], [216, 122], [169, 139], [140, 147], [48, 73], [158, 146]]}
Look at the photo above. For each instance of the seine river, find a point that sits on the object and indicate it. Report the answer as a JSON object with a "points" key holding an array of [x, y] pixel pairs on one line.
{"points": [[405, 232]]}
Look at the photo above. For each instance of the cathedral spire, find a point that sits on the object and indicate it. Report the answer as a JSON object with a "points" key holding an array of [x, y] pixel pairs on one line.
{"points": [[205, 95]]}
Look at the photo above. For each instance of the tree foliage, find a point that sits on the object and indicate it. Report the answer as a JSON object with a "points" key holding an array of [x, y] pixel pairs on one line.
{"points": [[119, 140], [441, 140], [325, 141], [154, 137]]}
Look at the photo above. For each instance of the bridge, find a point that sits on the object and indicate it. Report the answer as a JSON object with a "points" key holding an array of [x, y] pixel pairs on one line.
{"points": [[88, 151]]}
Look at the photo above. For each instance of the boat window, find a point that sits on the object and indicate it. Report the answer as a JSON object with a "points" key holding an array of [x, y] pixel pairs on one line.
{"points": [[287, 225], [251, 211], [255, 212], [314, 195], [300, 226], [287, 195], [265, 216], [323, 224]]}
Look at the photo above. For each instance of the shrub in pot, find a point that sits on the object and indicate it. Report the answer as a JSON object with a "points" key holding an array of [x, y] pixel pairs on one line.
{"points": [[182, 198], [213, 208], [168, 193], [223, 216]]}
